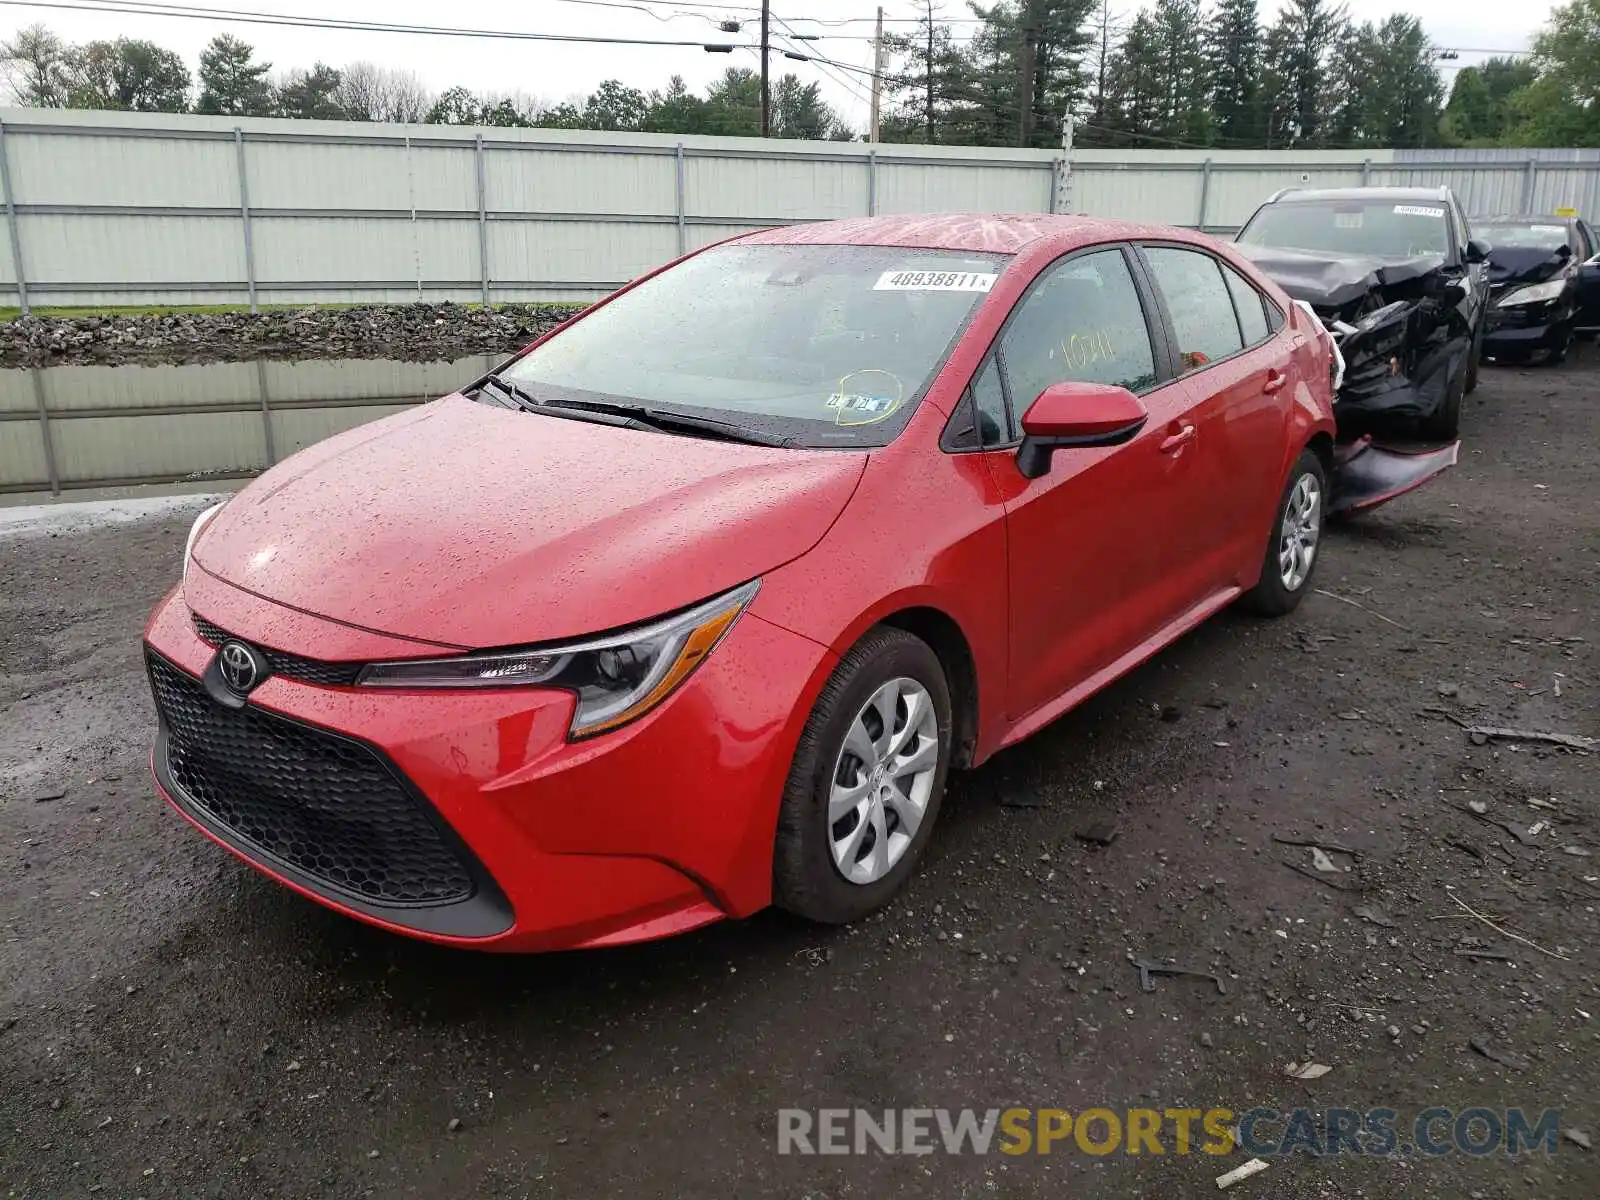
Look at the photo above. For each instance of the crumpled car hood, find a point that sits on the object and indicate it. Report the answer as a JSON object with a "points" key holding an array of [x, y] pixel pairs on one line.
{"points": [[473, 526], [1323, 281], [1516, 264]]}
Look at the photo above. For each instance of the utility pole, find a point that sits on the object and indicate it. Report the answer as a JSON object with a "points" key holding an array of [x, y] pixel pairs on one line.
{"points": [[1030, 39], [929, 76], [766, 89], [877, 75]]}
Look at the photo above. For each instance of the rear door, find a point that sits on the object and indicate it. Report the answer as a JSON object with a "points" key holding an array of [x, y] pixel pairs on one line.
{"points": [[1237, 372], [1096, 546]]}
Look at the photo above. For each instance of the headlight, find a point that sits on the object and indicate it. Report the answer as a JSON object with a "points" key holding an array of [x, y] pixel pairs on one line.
{"points": [[195, 531], [1537, 293], [617, 678]]}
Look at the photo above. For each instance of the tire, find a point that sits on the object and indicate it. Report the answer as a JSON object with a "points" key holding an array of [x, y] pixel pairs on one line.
{"points": [[1278, 591], [1475, 359], [1445, 424], [807, 878], [1558, 353]]}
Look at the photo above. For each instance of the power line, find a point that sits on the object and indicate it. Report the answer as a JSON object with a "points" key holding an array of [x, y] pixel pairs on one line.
{"points": [[253, 17]]}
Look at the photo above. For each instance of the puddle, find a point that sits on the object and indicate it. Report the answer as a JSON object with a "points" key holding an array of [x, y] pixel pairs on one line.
{"points": [[124, 426]]}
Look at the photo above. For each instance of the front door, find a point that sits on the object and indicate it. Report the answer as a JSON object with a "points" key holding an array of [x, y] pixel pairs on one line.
{"points": [[1095, 546]]}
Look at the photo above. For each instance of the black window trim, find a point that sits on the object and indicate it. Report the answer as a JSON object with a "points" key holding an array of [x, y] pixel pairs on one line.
{"points": [[1166, 316], [1156, 327]]}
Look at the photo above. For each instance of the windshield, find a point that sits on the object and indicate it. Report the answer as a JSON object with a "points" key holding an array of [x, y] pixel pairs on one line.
{"points": [[1380, 228], [1521, 235], [826, 345]]}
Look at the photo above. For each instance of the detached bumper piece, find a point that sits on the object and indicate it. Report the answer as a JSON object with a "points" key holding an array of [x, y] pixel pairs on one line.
{"points": [[323, 811], [1367, 475]]}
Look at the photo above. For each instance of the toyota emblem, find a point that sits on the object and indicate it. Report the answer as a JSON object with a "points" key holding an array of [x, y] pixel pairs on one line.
{"points": [[240, 666]]}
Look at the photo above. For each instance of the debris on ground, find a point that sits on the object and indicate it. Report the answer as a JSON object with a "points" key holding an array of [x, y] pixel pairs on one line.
{"points": [[1101, 833], [1361, 606], [1480, 734], [1376, 915], [1254, 1167], [1310, 1070], [1578, 1138], [1516, 937], [43, 794], [1146, 969], [1506, 1058], [1321, 862]]}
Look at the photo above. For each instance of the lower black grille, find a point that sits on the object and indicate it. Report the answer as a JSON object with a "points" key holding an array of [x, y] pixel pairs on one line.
{"points": [[290, 666], [326, 805]]}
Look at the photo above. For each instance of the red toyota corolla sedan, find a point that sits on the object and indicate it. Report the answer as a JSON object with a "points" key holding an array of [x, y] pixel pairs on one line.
{"points": [[689, 608]]}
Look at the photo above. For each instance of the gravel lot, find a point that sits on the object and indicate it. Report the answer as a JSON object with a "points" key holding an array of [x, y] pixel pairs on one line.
{"points": [[409, 332], [172, 1024]]}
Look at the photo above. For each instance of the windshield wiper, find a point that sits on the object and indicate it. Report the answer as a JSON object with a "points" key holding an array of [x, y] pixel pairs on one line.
{"points": [[510, 394], [655, 418]]}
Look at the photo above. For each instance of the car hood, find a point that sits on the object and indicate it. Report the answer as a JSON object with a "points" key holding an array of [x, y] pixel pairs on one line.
{"points": [[1518, 264], [1327, 281], [473, 526]]}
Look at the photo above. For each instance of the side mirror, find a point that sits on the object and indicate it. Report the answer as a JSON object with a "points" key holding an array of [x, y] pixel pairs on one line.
{"points": [[1564, 252], [1477, 250], [1076, 414]]}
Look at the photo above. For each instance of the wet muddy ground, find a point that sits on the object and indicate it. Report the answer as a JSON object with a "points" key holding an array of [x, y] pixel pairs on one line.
{"points": [[172, 1024]]}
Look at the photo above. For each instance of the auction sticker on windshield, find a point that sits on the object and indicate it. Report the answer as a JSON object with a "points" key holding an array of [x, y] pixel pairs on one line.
{"points": [[934, 281], [1417, 210]]}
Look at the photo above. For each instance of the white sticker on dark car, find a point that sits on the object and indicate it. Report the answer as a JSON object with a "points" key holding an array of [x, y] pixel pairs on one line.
{"points": [[1417, 210]]}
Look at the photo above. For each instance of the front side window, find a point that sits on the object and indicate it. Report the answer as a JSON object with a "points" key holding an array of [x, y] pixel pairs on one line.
{"points": [[1203, 319], [825, 345], [1394, 229], [1082, 321]]}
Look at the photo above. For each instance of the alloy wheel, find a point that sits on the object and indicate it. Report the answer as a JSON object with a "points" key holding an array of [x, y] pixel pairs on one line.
{"points": [[1302, 527], [882, 780]]}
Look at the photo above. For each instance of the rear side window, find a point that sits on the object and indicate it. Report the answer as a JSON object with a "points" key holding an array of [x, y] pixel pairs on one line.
{"points": [[1082, 322], [1247, 303], [1203, 319]]}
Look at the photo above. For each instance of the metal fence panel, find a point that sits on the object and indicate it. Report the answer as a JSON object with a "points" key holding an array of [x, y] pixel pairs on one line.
{"points": [[83, 169], [781, 188], [23, 466], [560, 181], [295, 429], [921, 187]]}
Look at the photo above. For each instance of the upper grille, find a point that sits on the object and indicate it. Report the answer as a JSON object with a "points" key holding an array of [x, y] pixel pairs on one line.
{"points": [[290, 666], [324, 804]]}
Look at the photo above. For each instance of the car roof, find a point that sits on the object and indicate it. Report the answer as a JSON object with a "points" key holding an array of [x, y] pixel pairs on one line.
{"points": [[995, 233], [1296, 195]]}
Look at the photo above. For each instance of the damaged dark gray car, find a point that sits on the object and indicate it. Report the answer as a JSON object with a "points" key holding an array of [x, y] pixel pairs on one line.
{"points": [[1396, 277]]}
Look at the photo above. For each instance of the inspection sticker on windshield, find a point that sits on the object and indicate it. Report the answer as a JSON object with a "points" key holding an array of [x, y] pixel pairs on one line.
{"points": [[934, 281], [1417, 210]]}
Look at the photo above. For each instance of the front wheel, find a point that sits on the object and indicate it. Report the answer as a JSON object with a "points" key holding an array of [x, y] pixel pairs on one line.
{"points": [[867, 781], [1291, 555]]}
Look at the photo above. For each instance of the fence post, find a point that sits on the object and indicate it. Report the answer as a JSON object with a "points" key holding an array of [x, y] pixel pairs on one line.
{"points": [[244, 216], [872, 183], [51, 470], [682, 235], [1529, 175], [1205, 194], [483, 223], [11, 224], [266, 412], [1366, 172]]}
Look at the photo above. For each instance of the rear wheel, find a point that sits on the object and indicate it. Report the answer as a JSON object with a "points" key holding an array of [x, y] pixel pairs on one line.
{"points": [[867, 781], [1291, 555]]}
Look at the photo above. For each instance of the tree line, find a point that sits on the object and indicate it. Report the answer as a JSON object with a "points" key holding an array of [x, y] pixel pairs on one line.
{"points": [[1175, 73]]}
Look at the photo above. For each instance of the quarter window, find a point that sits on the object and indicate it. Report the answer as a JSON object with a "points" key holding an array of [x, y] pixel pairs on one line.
{"points": [[1082, 322], [989, 406], [1247, 303], [1203, 319]]}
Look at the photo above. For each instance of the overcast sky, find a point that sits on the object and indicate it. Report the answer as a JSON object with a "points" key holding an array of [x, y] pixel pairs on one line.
{"points": [[557, 71]]}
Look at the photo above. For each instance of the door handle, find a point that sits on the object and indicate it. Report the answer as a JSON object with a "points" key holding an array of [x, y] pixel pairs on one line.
{"points": [[1177, 441], [1275, 381]]}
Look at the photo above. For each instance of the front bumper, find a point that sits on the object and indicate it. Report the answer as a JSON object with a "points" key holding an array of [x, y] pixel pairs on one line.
{"points": [[653, 829], [1525, 328]]}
